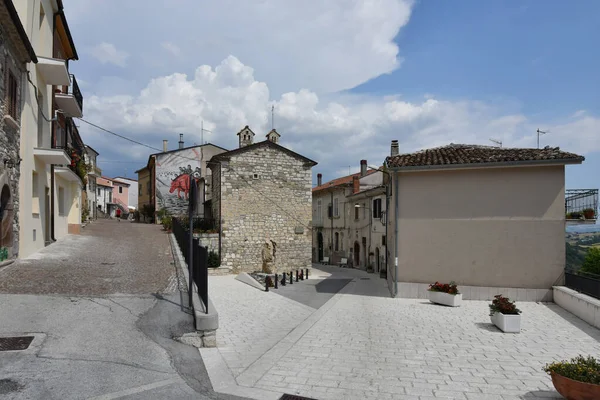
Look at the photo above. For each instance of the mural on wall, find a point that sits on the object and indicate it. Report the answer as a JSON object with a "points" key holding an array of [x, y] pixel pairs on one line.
{"points": [[172, 179]]}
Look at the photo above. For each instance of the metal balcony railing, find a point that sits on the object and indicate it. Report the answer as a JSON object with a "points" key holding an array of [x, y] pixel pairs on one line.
{"points": [[74, 90]]}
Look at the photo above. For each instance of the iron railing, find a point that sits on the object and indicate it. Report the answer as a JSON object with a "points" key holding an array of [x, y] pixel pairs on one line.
{"points": [[583, 282], [74, 90], [199, 259]]}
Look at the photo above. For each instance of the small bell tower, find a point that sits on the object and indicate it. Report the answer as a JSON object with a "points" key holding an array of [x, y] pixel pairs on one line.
{"points": [[246, 136], [273, 136]]}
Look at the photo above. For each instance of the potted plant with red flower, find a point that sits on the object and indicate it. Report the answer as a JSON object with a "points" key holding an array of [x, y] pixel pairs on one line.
{"points": [[577, 379], [445, 293], [505, 314]]}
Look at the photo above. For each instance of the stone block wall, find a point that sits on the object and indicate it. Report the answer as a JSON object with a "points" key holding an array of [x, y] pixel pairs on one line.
{"points": [[210, 240], [9, 150], [265, 195]]}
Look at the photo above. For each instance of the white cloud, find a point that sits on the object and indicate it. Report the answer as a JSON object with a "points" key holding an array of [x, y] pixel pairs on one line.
{"points": [[336, 133], [171, 48], [326, 46], [108, 53]]}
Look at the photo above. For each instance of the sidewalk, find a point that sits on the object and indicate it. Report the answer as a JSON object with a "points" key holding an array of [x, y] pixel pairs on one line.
{"points": [[363, 345]]}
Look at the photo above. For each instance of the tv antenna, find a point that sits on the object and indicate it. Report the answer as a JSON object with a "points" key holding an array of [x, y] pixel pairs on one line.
{"points": [[273, 117], [498, 142], [538, 136], [202, 130]]}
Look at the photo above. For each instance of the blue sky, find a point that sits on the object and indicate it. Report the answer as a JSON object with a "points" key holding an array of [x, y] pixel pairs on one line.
{"points": [[345, 76]]}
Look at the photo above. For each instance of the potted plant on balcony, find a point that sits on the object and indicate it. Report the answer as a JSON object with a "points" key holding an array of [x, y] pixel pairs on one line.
{"points": [[505, 314], [589, 213], [445, 293], [577, 379]]}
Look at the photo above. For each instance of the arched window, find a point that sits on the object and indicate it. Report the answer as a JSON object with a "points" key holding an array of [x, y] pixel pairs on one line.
{"points": [[337, 241]]}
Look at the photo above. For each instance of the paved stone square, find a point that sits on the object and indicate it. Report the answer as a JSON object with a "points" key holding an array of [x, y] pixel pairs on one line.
{"points": [[364, 345]]}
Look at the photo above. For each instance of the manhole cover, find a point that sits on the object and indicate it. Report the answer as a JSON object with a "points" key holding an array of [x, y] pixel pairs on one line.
{"points": [[15, 343], [8, 385], [294, 397]]}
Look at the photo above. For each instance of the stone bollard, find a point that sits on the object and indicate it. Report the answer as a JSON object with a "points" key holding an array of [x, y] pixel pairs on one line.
{"points": [[297, 275], [306, 273], [267, 283], [283, 279], [276, 280], [291, 277]]}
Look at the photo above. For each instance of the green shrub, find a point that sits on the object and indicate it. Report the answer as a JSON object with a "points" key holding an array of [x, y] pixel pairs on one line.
{"points": [[213, 260], [579, 369], [167, 222], [591, 264]]}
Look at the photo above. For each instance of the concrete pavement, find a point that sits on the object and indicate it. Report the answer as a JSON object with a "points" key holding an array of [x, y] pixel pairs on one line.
{"points": [[114, 339]]}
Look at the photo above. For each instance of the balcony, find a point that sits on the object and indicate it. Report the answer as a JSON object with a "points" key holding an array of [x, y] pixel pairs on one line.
{"points": [[54, 71], [67, 174], [69, 99], [95, 171], [52, 156]]}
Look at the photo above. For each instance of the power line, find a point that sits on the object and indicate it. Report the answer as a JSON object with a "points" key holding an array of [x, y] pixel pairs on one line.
{"points": [[121, 136]]}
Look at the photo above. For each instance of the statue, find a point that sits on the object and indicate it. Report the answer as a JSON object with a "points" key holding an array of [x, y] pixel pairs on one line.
{"points": [[268, 257]]}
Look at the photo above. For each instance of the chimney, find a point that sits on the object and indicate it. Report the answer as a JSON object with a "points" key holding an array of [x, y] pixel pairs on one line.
{"points": [[355, 184], [319, 179], [181, 140], [395, 148], [363, 168], [165, 146]]}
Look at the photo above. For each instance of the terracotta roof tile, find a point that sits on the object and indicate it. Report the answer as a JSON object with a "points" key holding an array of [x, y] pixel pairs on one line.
{"points": [[457, 154], [345, 180]]}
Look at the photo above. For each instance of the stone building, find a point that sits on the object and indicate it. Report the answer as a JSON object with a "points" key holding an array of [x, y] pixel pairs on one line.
{"points": [[15, 53], [262, 198]]}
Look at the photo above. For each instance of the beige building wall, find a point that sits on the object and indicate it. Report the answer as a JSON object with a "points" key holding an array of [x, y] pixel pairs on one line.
{"points": [[492, 227]]}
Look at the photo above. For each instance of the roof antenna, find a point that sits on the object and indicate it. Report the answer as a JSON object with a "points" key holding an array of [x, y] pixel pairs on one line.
{"points": [[202, 130], [538, 136], [498, 142], [273, 117]]}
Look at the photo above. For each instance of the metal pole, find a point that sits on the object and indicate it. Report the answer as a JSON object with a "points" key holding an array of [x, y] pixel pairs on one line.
{"points": [[191, 243]]}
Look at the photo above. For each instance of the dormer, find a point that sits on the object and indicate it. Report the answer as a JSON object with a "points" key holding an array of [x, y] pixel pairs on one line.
{"points": [[273, 136], [246, 136]]}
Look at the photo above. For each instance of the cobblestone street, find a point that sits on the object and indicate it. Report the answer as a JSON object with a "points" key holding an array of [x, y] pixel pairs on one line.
{"points": [[108, 257], [363, 345]]}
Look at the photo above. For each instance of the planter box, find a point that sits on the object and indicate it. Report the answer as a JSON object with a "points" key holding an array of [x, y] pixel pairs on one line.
{"points": [[507, 322], [452, 300], [575, 390]]}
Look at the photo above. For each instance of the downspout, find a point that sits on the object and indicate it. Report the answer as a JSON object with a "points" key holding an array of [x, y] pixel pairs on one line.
{"points": [[396, 234]]}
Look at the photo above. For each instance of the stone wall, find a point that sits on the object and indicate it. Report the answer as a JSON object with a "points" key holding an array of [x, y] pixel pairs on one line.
{"points": [[9, 149], [210, 240], [265, 195]]}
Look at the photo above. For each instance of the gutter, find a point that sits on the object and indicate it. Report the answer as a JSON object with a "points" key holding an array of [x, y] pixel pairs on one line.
{"points": [[487, 165]]}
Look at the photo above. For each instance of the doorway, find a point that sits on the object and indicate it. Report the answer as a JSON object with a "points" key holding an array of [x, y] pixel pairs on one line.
{"points": [[356, 255], [377, 258], [320, 246]]}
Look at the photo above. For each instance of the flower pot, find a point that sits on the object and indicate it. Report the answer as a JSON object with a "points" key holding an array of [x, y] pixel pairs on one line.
{"points": [[452, 300], [588, 214], [575, 390], [507, 322]]}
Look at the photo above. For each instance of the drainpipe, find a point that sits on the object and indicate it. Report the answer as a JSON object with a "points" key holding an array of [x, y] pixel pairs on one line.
{"points": [[331, 250], [52, 238], [395, 233]]}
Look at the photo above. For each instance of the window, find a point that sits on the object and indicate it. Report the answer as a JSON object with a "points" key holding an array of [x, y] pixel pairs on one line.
{"points": [[140, 190], [377, 208], [61, 201], [336, 209], [319, 211], [110, 197], [35, 200], [383, 239], [330, 211], [255, 176], [11, 101], [120, 189], [98, 191], [356, 211], [337, 241]]}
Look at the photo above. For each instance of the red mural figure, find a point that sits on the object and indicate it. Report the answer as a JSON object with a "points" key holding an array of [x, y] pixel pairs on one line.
{"points": [[181, 183]]}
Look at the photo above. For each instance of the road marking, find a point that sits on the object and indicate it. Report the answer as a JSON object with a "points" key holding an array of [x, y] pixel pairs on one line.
{"points": [[139, 389]]}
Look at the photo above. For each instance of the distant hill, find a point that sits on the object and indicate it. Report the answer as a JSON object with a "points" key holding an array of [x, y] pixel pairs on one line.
{"points": [[574, 256]]}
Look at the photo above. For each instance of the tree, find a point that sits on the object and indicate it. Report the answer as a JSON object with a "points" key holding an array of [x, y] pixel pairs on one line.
{"points": [[591, 264]]}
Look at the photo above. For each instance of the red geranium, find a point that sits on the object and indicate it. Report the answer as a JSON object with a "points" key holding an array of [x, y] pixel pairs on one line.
{"points": [[449, 288]]}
